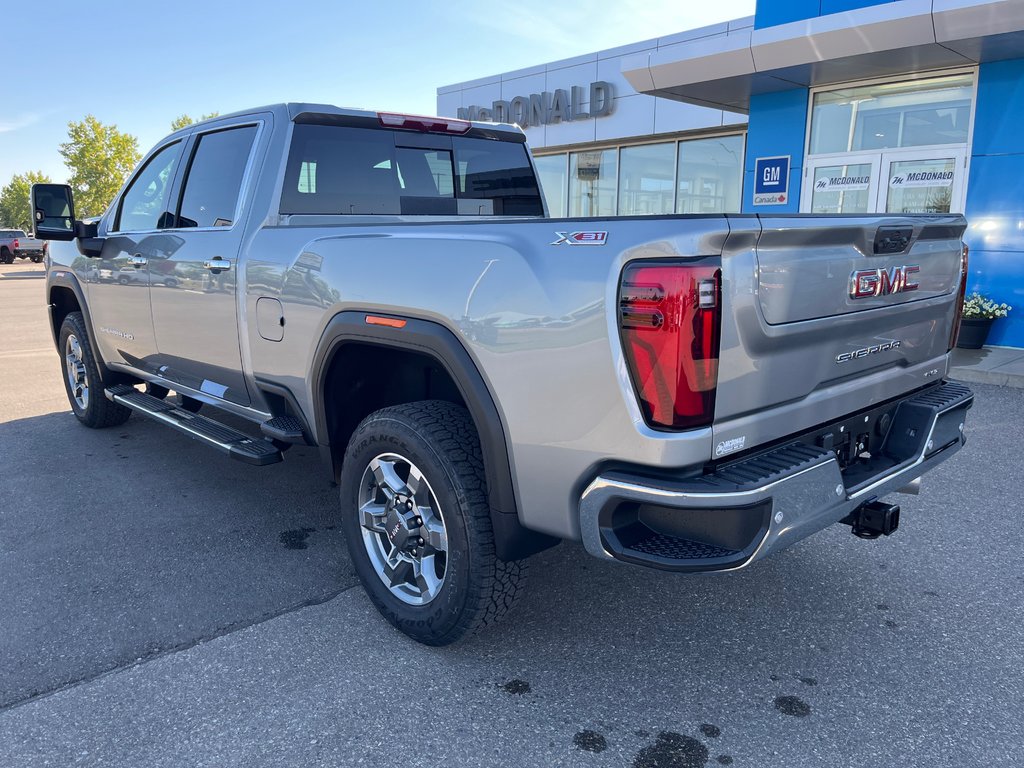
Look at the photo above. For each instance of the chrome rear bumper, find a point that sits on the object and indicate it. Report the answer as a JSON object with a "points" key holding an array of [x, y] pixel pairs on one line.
{"points": [[749, 509]]}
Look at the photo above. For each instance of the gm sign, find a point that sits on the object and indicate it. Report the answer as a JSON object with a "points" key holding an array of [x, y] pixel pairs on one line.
{"points": [[771, 180]]}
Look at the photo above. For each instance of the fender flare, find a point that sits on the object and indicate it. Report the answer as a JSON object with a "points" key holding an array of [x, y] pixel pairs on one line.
{"points": [[65, 278], [426, 337]]}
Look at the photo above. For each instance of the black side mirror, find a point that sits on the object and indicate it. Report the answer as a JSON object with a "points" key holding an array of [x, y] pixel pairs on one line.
{"points": [[53, 212]]}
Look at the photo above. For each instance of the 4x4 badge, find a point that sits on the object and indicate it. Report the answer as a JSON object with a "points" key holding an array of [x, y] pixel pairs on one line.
{"points": [[581, 238]]}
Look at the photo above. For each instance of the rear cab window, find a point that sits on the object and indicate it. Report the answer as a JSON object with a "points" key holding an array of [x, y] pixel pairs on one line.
{"points": [[337, 169]]}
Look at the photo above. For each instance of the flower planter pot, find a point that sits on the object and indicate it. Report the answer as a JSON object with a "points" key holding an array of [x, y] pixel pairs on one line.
{"points": [[974, 332]]}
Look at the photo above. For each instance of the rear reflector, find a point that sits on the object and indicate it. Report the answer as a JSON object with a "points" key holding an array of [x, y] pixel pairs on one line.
{"points": [[423, 123], [670, 320]]}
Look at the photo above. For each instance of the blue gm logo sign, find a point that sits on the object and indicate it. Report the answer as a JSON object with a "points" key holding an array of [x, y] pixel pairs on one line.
{"points": [[771, 180]]}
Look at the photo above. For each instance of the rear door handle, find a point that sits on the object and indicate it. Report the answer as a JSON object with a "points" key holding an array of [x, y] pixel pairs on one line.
{"points": [[138, 260], [217, 264]]}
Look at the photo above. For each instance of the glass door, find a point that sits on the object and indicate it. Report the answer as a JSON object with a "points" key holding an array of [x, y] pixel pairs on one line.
{"points": [[923, 181], [847, 184], [897, 181]]}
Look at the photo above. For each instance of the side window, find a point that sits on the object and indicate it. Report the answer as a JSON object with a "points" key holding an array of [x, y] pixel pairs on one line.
{"points": [[214, 178], [145, 200]]}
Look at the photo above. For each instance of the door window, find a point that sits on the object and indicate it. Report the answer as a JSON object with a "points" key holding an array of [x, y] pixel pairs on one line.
{"points": [[842, 188], [145, 201], [214, 180], [921, 186]]}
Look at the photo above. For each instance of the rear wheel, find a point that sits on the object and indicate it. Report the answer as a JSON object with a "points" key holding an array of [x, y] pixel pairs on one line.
{"points": [[6, 257], [82, 380], [417, 523]]}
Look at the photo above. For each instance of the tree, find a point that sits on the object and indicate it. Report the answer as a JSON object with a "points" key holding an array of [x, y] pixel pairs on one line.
{"points": [[99, 157], [15, 210], [183, 121]]}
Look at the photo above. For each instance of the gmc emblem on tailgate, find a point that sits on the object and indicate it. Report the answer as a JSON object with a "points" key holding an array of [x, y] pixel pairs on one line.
{"points": [[865, 283]]}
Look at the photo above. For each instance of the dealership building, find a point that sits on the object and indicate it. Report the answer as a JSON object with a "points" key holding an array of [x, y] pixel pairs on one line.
{"points": [[809, 106]]}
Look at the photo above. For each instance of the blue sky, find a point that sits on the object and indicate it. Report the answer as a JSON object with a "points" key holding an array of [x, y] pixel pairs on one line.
{"points": [[141, 64]]}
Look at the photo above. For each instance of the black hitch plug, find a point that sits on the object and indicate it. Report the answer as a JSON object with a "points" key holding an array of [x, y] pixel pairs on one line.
{"points": [[874, 519]]}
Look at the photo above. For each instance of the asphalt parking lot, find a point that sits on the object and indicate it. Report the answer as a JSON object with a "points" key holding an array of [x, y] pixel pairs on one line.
{"points": [[161, 605]]}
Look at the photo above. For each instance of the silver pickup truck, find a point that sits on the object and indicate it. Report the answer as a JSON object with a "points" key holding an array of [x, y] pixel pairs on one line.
{"points": [[691, 393], [15, 244]]}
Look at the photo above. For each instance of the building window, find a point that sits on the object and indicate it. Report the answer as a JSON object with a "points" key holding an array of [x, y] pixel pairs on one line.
{"points": [[710, 177], [553, 172], [592, 178], [646, 179], [889, 115], [898, 147], [702, 175]]}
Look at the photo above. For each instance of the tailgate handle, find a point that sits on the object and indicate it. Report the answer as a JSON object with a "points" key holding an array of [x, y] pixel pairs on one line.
{"points": [[892, 239]]}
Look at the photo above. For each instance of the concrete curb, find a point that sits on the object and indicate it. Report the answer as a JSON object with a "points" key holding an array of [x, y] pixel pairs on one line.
{"points": [[1002, 366]]}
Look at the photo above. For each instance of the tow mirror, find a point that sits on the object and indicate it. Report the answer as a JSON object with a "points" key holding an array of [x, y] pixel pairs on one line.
{"points": [[53, 212]]}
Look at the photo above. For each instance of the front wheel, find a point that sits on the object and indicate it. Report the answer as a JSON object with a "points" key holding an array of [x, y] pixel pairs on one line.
{"points": [[417, 523], [82, 380]]}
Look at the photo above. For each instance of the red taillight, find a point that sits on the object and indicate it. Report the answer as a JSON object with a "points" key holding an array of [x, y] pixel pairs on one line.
{"points": [[422, 123], [961, 292], [670, 319], [15, 245]]}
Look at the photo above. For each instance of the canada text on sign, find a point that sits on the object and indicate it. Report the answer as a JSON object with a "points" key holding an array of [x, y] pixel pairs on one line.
{"points": [[547, 108]]}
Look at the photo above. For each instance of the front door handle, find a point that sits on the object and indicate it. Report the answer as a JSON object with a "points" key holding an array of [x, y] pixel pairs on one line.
{"points": [[217, 264], [138, 260]]}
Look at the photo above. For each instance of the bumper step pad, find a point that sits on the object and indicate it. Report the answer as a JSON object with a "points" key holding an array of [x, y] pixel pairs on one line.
{"points": [[237, 445], [674, 548]]}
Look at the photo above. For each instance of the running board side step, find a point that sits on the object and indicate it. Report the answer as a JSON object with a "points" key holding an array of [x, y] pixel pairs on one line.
{"points": [[235, 444]]}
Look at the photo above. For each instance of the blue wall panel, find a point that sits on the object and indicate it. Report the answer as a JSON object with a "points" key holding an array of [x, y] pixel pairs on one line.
{"points": [[838, 6], [995, 203], [995, 196], [769, 13], [1000, 276], [1000, 107], [778, 124]]}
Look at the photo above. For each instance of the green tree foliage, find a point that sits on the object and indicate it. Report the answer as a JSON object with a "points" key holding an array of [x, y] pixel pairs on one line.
{"points": [[183, 121], [15, 210], [99, 157]]}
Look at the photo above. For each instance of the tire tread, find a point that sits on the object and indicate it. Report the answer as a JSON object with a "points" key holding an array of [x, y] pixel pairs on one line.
{"points": [[447, 430], [102, 413]]}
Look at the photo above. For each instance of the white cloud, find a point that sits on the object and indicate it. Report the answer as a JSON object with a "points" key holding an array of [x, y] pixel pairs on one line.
{"points": [[18, 122]]}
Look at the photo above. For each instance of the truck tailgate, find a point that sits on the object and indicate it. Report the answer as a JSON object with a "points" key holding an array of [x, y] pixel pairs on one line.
{"points": [[829, 317]]}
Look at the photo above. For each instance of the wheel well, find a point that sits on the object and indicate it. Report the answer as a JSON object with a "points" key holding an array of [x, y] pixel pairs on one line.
{"points": [[364, 378], [64, 302], [360, 368]]}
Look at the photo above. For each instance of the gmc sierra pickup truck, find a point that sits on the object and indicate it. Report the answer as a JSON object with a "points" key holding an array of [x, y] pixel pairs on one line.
{"points": [[691, 393], [15, 244]]}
